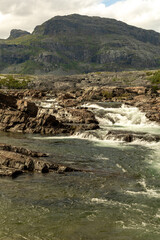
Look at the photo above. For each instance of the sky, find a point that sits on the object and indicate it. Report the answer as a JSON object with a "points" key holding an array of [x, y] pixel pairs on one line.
{"points": [[26, 14]]}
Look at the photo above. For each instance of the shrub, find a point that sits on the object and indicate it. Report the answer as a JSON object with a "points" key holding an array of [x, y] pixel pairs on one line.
{"points": [[12, 83], [155, 78], [107, 94], [149, 73], [155, 88]]}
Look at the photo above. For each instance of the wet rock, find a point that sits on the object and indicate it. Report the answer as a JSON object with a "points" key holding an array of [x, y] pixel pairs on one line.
{"points": [[41, 166], [128, 138], [21, 150], [69, 103], [21, 115], [9, 172], [67, 95], [85, 127], [20, 159], [28, 107], [79, 116], [61, 169], [64, 169], [15, 161], [137, 90], [24, 118], [7, 100]]}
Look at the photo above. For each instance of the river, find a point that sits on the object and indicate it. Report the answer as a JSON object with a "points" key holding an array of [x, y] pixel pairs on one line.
{"points": [[117, 199]]}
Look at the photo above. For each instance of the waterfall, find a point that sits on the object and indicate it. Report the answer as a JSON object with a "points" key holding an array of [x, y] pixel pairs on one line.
{"points": [[121, 122]]}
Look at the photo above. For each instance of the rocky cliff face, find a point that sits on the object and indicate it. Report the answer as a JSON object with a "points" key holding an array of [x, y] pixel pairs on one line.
{"points": [[16, 33], [78, 44]]}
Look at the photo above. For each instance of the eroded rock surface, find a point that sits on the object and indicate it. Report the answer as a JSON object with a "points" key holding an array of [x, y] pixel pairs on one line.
{"points": [[16, 160], [23, 111], [20, 113]]}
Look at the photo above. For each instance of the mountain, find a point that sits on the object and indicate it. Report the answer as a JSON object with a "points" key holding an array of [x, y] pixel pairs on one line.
{"points": [[16, 33], [78, 44]]}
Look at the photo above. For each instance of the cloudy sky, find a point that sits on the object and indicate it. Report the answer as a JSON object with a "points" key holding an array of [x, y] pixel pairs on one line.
{"points": [[26, 14]]}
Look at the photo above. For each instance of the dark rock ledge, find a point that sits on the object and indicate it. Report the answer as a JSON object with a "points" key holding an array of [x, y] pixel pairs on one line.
{"points": [[20, 115], [15, 161]]}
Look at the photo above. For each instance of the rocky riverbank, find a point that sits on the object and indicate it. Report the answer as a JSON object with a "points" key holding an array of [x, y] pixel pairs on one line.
{"points": [[18, 114], [147, 99], [64, 113], [15, 161]]}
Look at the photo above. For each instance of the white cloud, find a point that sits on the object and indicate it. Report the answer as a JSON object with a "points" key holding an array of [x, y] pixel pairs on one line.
{"points": [[141, 13], [26, 14]]}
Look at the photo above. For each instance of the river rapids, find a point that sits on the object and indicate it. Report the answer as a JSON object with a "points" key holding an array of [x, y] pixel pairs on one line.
{"points": [[116, 198]]}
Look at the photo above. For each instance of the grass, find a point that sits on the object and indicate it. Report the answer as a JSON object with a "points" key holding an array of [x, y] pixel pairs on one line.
{"points": [[25, 40], [70, 65], [107, 94], [155, 78], [14, 82], [149, 73], [30, 66]]}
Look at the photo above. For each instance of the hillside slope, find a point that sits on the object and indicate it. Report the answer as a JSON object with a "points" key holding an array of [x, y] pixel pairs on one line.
{"points": [[78, 44]]}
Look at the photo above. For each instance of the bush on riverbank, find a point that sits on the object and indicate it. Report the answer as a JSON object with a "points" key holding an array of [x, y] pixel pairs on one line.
{"points": [[11, 82], [155, 78]]}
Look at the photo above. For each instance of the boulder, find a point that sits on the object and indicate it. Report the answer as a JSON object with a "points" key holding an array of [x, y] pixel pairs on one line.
{"points": [[21, 150], [29, 108], [16, 160], [10, 172], [7, 100], [78, 116]]}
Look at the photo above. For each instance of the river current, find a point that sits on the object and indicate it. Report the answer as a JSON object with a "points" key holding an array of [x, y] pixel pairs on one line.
{"points": [[118, 198]]}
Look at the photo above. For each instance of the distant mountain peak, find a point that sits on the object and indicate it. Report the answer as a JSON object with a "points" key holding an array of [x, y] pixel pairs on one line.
{"points": [[15, 33]]}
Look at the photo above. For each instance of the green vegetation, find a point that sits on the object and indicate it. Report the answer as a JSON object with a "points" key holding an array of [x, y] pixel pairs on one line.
{"points": [[155, 78], [71, 65], [107, 94], [12, 82], [155, 88], [124, 96], [149, 73], [98, 73], [29, 67], [26, 40], [114, 79]]}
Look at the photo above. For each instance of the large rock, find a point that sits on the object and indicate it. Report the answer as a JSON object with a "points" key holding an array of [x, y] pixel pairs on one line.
{"points": [[16, 160], [28, 107], [75, 115], [129, 136], [21, 115], [10, 119], [21, 150], [7, 100]]}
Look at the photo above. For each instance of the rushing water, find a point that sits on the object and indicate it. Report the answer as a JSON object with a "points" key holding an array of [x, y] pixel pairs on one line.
{"points": [[118, 199]]}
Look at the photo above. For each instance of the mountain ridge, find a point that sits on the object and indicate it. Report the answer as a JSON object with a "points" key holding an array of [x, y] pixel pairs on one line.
{"points": [[80, 44]]}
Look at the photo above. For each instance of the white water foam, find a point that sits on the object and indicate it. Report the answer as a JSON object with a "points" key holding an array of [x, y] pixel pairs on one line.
{"points": [[48, 103], [127, 117], [122, 118], [109, 202], [151, 193], [97, 137], [120, 167]]}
